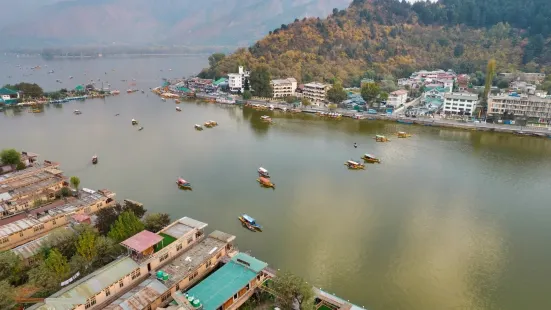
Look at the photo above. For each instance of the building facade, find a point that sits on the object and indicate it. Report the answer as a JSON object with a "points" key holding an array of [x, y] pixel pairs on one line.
{"points": [[8, 96], [397, 98], [284, 87], [236, 81], [316, 92], [460, 103], [535, 108]]}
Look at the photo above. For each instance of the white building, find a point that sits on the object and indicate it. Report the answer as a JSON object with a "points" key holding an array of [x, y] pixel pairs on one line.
{"points": [[284, 87], [236, 81], [316, 92], [397, 98], [534, 107], [455, 103]]}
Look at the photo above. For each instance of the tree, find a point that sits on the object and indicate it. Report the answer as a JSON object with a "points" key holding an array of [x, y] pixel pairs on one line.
{"points": [[261, 81], [27, 89], [370, 91], [107, 251], [137, 209], [86, 246], [292, 291], [65, 192], [51, 272], [7, 295], [75, 182], [247, 95], [20, 166], [383, 96], [215, 58], [336, 94], [246, 85], [126, 225], [290, 99], [305, 102], [332, 106], [490, 74], [63, 240], [458, 50], [154, 222], [10, 267], [106, 217], [10, 157]]}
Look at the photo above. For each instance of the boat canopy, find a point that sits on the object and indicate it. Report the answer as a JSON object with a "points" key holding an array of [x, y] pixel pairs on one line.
{"points": [[401, 132], [262, 170], [369, 156], [248, 219], [264, 117], [379, 136], [351, 162]]}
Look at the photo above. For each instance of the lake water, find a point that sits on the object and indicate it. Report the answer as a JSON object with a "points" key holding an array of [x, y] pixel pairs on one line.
{"points": [[450, 220]]}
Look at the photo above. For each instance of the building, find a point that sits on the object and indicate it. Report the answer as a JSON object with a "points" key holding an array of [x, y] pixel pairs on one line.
{"points": [[397, 98], [284, 87], [43, 220], [231, 285], [8, 96], [537, 109], [460, 103], [236, 81], [433, 99], [29, 252], [316, 92]]}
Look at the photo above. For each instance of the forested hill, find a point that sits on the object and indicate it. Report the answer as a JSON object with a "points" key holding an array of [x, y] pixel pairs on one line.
{"points": [[389, 37]]}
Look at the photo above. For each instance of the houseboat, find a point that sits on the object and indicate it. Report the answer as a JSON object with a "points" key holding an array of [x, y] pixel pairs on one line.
{"points": [[77, 112], [198, 127], [178, 109], [115, 92], [265, 182], [95, 159], [266, 118], [371, 159], [263, 172], [354, 165], [249, 223], [183, 183], [226, 100], [379, 138], [134, 122], [402, 134]]}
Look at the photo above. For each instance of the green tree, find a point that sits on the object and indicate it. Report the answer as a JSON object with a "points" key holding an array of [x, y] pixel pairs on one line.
{"points": [[458, 50], [247, 95], [290, 99], [292, 291], [86, 246], [332, 106], [107, 251], [305, 102], [20, 166], [336, 94], [154, 222], [215, 58], [75, 182], [106, 217], [383, 96], [10, 267], [370, 92], [7, 295], [261, 81], [126, 225], [10, 157], [65, 192], [137, 209], [50, 272], [490, 74]]}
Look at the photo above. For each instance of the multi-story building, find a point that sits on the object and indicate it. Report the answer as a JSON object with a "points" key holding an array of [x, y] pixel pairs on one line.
{"points": [[535, 108], [460, 103], [43, 220], [316, 92], [236, 81], [397, 98], [284, 87]]}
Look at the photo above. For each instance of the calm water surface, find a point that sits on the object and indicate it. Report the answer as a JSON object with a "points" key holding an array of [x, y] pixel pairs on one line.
{"points": [[449, 220]]}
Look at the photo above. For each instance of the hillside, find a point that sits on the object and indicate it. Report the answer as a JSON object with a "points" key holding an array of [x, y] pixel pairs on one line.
{"points": [[167, 22], [387, 37]]}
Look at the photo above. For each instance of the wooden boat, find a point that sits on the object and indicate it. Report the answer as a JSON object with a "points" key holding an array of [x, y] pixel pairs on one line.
{"points": [[178, 109], [198, 127], [141, 128], [265, 182], [77, 112], [379, 138], [249, 223], [183, 183], [371, 159], [403, 134], [263, 172], [354, 165], [95, 159], [266, 118], [210, 124], [115, 92], [134, 122], [163, 99], [177, 101]]}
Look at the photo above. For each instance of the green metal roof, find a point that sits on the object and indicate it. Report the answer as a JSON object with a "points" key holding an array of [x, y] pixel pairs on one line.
{"points": [[219, 81], [7, 91], [226, 281]]}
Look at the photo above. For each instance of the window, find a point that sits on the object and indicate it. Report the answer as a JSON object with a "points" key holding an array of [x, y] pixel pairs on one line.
{"points": [[148, 308], [179, 247], [21, 234], [53, 222], [135, 274], [121, 284], [190, 240], [163, 257], [218, 255], [209, 263], [90, 302], [235, 297], [4, 240], [165, 296], [107, 292], [178, 286]]}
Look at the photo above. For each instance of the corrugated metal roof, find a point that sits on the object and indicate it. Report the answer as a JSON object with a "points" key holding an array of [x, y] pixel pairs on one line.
{"points": [[142, 241], [250, 262], [222, 285], [5, 196], [99, 280], [177, 230], [222, 236], [17, 226], [192, 223], [32, 248], [139, 297]]}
